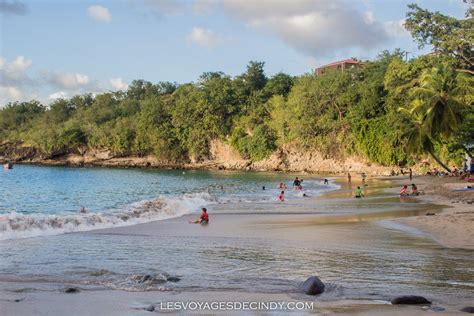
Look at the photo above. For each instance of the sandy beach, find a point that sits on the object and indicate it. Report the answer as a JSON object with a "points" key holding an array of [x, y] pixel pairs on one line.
{"points": [[454, 226], [311, 233]]}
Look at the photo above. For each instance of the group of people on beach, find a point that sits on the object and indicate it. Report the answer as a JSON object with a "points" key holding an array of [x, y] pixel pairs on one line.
{"points": [[465, 173]]}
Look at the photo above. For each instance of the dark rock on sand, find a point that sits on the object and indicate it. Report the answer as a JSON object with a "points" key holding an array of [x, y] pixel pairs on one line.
{"points": [[70, 290], [312, 286], [410, 300], [468, 309]]}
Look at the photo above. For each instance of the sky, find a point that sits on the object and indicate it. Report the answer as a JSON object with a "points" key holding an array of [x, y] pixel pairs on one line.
{"points": [[53, 49]]}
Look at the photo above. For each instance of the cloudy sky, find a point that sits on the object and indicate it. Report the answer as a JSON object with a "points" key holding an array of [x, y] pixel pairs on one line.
{"points": [[54, 48]]}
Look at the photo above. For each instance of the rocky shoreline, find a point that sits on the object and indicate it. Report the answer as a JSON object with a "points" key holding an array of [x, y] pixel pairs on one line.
{"points": [[222, 157]]}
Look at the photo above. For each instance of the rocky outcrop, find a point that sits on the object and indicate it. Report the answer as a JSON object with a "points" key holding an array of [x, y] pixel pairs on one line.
{"points": [[222, 156]]}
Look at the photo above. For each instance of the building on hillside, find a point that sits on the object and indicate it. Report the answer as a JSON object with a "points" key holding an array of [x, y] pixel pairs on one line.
{"points": [[342, 66]]}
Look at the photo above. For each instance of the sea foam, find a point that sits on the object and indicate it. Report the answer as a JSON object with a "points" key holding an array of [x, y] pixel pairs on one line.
{"points": [[15, 225]]}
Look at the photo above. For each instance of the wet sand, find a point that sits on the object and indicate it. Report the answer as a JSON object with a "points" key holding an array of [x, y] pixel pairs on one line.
{"points": [[118, 303], [290, 222], [454, 226]]}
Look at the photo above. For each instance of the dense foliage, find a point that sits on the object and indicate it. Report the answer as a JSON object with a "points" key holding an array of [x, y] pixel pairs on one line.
{"points": [[389, 110]]}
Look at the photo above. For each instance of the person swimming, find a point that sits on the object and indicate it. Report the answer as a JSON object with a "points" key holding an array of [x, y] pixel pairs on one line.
{"points": [[414, 190], [82, 210], [203, 217], [282, 186]]}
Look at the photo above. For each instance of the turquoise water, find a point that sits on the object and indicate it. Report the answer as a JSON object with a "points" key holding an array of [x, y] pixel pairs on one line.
{"points": [[38, 200]]}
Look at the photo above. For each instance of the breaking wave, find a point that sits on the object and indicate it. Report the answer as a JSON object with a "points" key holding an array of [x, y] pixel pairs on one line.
{"points": [[15, 225]]}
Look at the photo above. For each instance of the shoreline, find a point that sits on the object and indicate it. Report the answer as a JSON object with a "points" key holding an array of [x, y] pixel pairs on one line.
{"points": [[453, 227]]}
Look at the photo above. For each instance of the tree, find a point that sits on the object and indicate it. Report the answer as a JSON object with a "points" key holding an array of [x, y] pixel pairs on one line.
{"points": [[438, 97], [448, 35], [436, 109], [417, 138]]}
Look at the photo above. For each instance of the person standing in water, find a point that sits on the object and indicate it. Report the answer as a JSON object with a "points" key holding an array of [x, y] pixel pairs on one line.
{"points": [[411, 174], [297, 184], [281, 196], [358, 193], [349, 177]]}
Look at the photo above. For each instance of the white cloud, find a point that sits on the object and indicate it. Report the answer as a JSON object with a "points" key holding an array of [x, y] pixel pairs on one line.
{"points": [[16, 84], [118, 84], [203, 37], [315, 27], [8, 94], [13, 77], [14, 72], [58, 95], [369, 17], [396, 28], [99, 13], [67, 80]]}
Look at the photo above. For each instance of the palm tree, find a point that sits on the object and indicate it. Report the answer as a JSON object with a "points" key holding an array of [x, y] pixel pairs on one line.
{"points": [[439, 99], [418, 140], [436, 109]]}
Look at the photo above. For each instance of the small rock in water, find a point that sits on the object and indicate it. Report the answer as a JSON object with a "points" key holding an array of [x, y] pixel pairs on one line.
{"points": [[173, 279], [468, 309], [437, 309], [410, 300], [430, 214], [312, 286], [70, 290], [150, 308]]}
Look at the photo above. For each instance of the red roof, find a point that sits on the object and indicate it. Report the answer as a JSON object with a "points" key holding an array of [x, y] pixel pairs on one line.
{"points": [[345, 61]]}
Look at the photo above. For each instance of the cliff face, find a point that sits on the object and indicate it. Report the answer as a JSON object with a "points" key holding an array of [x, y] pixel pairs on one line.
{"points": [[222, 157]]}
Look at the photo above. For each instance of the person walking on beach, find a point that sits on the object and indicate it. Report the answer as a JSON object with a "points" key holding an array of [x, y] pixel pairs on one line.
{"points": [[203, 218], [358, 193], [411, 174]]}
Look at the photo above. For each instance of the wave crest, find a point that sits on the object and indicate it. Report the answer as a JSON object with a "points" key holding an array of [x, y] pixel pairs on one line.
{"points": [[15, 225]]}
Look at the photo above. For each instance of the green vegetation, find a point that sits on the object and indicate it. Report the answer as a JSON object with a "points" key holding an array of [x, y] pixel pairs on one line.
{"points": [[390, 110]]}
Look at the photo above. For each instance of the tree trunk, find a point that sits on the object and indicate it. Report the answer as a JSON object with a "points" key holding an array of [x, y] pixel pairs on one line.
{"points": [[439, 161]]}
